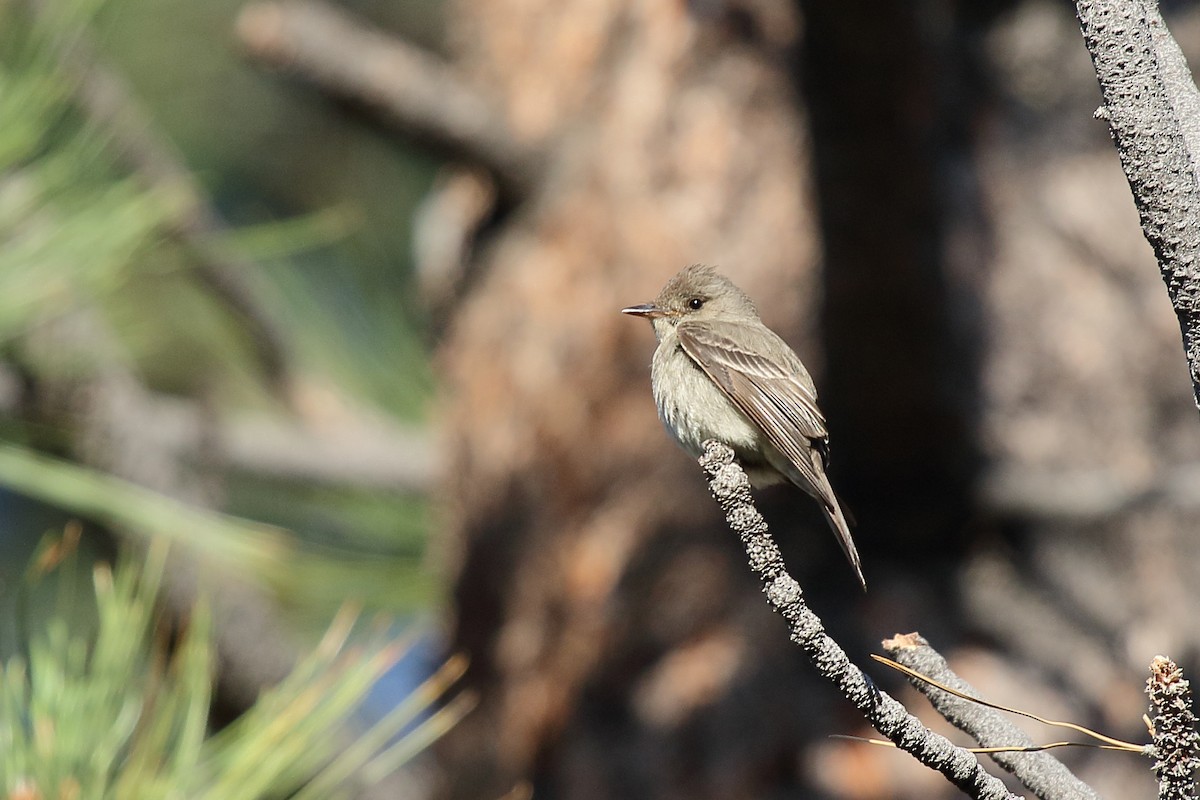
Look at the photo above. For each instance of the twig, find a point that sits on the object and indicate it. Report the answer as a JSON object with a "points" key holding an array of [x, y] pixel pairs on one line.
{"points": [[1174, 731], [731, 489], [1041, 773], [1109, 743], [414, 90], [1150, 104]]}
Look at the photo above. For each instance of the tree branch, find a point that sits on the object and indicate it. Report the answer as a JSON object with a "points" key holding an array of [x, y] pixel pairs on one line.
{"points": [[107, 101], [1148, 95], [1041, 773], [358, 453], [731, 489], [1175, 740], [411, 89]]}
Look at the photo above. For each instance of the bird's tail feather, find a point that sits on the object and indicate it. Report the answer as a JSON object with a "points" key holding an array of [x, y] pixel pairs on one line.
{"points": [[816, 483], [837, 521]]}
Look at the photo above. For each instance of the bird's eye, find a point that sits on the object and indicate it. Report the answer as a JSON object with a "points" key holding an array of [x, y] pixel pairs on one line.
{"points": [[696, 303]]}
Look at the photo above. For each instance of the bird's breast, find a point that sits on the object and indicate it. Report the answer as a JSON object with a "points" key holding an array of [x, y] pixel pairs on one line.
{"points": [[693, 408]]}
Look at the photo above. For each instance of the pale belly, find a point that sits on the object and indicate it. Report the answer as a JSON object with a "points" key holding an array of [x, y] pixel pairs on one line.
{"points": [[694, 410]]}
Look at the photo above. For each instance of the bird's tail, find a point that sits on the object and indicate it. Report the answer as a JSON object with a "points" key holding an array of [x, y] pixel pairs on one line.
{"points": [[816, 483], [837, 521]]}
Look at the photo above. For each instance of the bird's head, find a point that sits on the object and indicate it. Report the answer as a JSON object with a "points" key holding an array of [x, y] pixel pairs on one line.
{"points": [[696, 292]]}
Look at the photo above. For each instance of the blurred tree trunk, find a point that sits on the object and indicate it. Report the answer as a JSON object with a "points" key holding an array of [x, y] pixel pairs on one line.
{"points": [[982, 291], [609, 622], [615, 637]]}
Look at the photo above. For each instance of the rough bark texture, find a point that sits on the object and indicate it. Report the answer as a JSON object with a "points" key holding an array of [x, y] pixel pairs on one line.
{"points": [[1176, 742], [1041, 773], [731, 489], [1150, 104]]}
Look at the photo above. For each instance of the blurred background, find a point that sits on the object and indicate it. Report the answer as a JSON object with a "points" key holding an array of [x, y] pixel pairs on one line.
{"points": [[325, 295]]}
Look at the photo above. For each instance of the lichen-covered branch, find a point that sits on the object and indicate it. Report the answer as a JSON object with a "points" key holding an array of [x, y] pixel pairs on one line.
{"points": [[413, 90], [1150, 104], [1175, 740], [1041, 773], [731, 489]]}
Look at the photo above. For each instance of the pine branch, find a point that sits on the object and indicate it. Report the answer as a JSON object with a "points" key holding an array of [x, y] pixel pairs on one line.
{"points": [[731, 489], [134, 140]]}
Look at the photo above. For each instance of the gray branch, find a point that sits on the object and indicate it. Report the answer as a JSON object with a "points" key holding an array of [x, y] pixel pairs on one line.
{"points": [[731, 489], [415, 91], [1151, 106], [1175, 740], [1041, 773]]}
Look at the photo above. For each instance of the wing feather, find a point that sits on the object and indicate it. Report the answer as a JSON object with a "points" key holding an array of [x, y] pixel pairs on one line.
{"points": [[775, 392], [778, 395]]}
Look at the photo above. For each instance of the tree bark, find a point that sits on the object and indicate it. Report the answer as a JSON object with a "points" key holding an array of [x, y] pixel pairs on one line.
{"points": [[1152, 109]]}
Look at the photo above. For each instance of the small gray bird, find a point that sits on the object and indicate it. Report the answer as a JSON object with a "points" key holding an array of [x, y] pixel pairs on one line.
{"points": [[720, 373]]}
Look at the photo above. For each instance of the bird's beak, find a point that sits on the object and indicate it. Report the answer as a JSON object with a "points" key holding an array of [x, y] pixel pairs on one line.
{"points": [[647, 310]]}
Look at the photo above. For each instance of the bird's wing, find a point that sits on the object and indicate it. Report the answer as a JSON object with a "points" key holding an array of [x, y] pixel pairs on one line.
{"points": [[776, 393]]}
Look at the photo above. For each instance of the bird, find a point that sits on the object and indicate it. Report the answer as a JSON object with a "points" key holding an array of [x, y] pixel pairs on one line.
{"points": [[720, 373]]}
